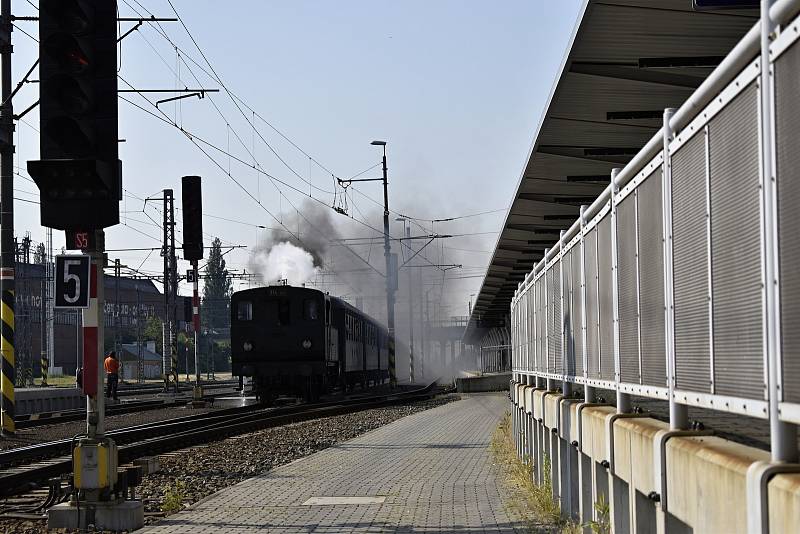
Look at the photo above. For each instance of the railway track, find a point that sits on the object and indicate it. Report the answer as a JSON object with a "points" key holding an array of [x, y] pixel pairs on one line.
{"points": [[158, 388], [64, 416], [24, 467]]}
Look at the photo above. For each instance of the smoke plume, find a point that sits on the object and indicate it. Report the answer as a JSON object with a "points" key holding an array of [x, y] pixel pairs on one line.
{"points": [[319, 248], [285, 261]]}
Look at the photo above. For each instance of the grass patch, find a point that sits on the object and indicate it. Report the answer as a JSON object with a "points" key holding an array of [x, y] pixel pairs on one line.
{"points": [[57, 381], [173, 498], [533, 502]]}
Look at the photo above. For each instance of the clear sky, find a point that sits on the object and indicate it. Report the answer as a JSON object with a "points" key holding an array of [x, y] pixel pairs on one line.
{"points": [[456, 88]]}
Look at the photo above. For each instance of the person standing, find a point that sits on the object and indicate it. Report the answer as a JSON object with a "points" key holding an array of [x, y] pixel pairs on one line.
{"points": [[111, 365]]}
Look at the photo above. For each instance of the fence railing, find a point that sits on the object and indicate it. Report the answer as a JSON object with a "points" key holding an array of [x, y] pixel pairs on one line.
{"points": [[680, 281], [495, 359]]}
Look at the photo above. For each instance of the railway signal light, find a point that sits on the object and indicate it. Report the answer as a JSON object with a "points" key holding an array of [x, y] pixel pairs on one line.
{"points": [[192, 218], [79, 174]]}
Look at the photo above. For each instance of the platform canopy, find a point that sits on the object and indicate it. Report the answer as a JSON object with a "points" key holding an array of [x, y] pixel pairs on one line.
{"points": [[627, 61]]}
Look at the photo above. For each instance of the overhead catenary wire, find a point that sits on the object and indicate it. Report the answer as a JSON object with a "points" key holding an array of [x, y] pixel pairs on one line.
{"points": [[165, 119], [213, 74]]}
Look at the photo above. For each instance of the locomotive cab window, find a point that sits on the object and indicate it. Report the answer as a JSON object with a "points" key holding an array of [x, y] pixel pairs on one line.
{"points": [[327, 312], [310, 310], [244, 311]]}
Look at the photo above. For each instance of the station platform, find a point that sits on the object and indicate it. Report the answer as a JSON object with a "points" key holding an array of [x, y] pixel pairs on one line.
{"points": [[428, 472]]}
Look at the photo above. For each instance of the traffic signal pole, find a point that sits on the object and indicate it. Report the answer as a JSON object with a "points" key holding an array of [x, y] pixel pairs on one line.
{"points": [[192, 200], [198, 392], [8, 370], [93, 337]]}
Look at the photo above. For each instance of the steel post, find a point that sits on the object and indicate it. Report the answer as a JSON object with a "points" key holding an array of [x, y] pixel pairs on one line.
{"points": [[566, 387], [196, 321], [588, 391], [391, 276], [783, 436], [93, 336], [410, 314], [7, 289], [678, 413], [623, 399]]}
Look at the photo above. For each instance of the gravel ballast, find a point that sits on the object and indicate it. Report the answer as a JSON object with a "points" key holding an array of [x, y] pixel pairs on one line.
{"points": [[41, 434], [189, 475]]}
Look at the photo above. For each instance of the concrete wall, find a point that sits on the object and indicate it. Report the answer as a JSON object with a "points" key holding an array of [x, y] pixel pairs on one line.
{"points": [[474, 384], [652, 481]]}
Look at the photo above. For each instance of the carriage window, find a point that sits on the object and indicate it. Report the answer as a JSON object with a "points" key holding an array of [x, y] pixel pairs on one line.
{"points": [[244, 311], [310, 310], [283, 312]]}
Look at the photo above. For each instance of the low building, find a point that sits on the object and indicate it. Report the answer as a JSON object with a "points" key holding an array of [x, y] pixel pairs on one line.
{"points": [[129, 357]]}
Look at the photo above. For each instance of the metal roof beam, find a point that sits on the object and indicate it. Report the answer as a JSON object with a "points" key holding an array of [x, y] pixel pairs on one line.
{"points": [[634, 74], [656, 114], [679, 62], [591, 177]]}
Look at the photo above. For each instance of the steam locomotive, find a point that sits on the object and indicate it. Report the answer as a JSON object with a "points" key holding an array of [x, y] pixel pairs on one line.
{"points": [[302, 342]]}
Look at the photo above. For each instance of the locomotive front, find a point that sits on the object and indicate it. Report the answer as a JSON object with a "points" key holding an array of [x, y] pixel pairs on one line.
{"points": [[278, 338]]}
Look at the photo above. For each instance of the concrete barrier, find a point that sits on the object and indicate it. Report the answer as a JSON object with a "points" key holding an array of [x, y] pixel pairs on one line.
{"points": [[475, 384], [39, 400], [598, 455]]}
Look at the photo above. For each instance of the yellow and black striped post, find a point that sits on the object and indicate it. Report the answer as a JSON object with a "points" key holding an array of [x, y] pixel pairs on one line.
{"points": [[7, 376], [7, 251], [44, 364]]}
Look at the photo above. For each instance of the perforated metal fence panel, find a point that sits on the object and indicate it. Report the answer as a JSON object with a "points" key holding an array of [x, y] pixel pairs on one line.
{"points": [[690, 265], [569, 314], [558, 337], [606, 301], [577, 309], [552, 330], [735, 249], [592, 305], [651, 281], [531, 326], [541, 324], [787, 95], [628, 291]]}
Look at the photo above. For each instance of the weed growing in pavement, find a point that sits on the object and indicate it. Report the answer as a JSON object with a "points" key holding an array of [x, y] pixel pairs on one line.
{"points": [[603, 524], [173, 498], [532, 501]]}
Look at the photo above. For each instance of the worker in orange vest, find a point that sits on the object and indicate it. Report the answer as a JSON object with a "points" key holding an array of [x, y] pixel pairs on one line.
{"points": [[112, 374]]}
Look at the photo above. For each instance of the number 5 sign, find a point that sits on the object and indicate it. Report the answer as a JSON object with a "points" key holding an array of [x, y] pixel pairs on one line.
{"points": [[73, 275]]}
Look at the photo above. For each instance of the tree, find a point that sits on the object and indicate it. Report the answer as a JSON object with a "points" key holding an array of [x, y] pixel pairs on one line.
{"points": [[217, 290], [40, 256], [153, 331]]}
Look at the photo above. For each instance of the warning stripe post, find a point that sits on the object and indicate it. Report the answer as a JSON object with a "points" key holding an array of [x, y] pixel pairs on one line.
{"points": [[8, 369]]}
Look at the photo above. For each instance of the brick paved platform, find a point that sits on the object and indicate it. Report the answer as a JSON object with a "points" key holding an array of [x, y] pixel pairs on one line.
{"points": [[428, 472]]}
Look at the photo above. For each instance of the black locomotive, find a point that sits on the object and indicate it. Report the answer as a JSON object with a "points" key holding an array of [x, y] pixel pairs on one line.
{"points": [[302, 342]]}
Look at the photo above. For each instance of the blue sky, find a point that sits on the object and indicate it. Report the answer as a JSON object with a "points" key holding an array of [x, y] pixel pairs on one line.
{"points": [[455, 87]]}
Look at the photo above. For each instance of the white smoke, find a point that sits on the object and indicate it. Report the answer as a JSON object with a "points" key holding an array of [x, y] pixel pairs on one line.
{"points": [[285, 261]]}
